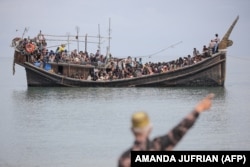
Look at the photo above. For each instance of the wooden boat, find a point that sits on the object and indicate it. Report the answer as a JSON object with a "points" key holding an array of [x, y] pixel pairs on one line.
{"points": [[210, 71]]}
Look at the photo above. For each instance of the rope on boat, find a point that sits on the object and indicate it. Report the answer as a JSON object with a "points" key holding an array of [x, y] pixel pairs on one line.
{"points": [[63, 36], [162, 50], [69, 40], [240, 58]]}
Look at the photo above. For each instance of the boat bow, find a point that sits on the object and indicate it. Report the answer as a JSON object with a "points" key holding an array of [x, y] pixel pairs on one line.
{"points": [[226, 42]]}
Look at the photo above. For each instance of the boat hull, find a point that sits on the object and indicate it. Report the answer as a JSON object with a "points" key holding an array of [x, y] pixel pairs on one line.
{"points": [[209, 72]]}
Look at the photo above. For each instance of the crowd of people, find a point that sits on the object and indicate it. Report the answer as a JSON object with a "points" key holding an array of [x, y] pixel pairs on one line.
{"points": [[108, 67], [116, 68]]}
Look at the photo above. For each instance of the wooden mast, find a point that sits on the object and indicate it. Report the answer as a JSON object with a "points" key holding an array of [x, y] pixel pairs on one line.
{"points": [[77, 38], [109, 38], [99, 37], [86, 38]]}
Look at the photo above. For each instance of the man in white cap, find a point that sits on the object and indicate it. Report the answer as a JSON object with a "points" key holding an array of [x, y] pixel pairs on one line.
{"points": [[141, 128]]}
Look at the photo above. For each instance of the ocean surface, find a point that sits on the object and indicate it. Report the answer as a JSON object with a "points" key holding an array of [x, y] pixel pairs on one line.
{"points": [[66, 127]]}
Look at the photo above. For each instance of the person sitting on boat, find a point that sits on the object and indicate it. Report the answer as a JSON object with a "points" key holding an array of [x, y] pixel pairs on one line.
{"points": [[45, 54], [23, 43], [82, 57], [75, 58], [141, 129], [196, 56], [205, 51], [147, 69], [196, 52], [128, 62], [140, 63], [64, 56], [92, 57], [101, 61], [164, 68], [51, 56], [58, 57], [180, 62], [73, 53]]}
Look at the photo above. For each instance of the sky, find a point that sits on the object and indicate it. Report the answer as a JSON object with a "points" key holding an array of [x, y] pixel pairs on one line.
{"points": [[138, 27]]}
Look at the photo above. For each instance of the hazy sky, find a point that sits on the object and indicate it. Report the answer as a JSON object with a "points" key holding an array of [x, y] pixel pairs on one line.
{"points": [[139, 27]]}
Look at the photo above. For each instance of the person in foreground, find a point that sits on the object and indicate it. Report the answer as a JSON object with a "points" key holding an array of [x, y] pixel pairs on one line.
{"points": [[141, 128]]}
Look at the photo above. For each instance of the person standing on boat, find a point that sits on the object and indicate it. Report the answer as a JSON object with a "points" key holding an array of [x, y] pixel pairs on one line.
{"points": [[211, 46], [59, 52], [141, 128], [140, 63], [195, 52], [61, 48], [217, 41], [190, 62], [97, 54], [40, 41], [40, 37]]}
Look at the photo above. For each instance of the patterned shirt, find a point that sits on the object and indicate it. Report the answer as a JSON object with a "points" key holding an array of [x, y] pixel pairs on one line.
{"points": [[165, 142]]}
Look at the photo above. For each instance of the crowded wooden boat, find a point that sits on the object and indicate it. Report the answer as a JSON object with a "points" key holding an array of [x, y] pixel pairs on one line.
{"points": [[61, 67]]}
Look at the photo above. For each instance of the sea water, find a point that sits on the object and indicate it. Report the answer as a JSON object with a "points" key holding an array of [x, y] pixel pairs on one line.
{"points": [[47, 127]]}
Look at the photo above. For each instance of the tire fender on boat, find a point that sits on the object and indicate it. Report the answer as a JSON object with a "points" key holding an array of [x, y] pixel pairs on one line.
{"points": [[30, 48]]}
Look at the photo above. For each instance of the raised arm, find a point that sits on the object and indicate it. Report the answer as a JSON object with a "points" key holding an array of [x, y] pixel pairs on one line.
{"points": [[169, 141]]}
